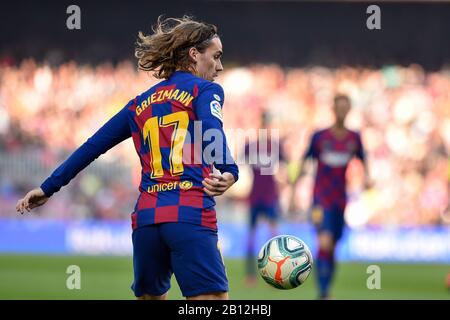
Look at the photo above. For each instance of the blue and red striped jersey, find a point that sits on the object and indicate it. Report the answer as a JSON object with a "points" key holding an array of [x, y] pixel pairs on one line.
{"points": [[170, 124], [264, 187], [333, 155]]}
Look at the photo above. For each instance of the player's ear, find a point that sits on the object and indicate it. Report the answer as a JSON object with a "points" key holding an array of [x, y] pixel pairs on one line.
{"points": [[193, 53]]}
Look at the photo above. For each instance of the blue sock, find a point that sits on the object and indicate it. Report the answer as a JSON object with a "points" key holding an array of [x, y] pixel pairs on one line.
{"points": [[325, 270], [251, 259]]}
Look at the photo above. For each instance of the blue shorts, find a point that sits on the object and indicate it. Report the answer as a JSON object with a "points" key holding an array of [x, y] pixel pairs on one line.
{"points": [[188, 250], [269, 210], [329, 219]]}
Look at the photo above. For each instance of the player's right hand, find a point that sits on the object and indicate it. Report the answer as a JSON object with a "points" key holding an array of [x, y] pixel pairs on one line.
{"points": [[32, 199]]}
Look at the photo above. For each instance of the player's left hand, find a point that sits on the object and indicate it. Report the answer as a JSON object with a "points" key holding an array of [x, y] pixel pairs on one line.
{"points": [[217, 184], [32, 199]]}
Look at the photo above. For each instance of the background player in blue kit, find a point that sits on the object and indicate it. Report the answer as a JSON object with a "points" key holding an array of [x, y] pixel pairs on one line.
{"points": [[332, 149], [263, 199], [174, 221]]}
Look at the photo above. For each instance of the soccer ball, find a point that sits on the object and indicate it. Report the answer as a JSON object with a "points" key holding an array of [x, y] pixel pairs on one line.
{"points": [[285, 262]]}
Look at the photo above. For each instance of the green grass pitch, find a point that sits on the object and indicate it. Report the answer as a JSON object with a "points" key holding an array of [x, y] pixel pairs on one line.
{"points": [[44, 277]]}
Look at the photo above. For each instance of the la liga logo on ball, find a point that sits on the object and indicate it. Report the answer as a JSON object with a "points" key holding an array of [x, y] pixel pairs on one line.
{"points": [[285, 262]]}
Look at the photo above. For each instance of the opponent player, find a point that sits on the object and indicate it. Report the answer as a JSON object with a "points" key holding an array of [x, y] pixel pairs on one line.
{"points": [[264, 194], [332, 149], [174, 220]]}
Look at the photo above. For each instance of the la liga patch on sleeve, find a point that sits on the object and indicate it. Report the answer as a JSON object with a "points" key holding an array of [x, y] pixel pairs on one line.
{"points": [[216, 110]]}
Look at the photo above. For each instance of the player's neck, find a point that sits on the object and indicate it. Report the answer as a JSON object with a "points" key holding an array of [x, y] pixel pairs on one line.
{"points": [[188, 70], [339, 130], [339, 126]]}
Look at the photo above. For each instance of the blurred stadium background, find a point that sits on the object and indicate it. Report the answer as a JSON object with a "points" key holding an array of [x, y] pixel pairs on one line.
{"points": [[58, 86]]}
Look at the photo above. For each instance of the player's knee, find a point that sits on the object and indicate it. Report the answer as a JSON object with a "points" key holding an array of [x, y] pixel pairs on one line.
{"points": [[326, 242], [152, 297], [210, 296]]}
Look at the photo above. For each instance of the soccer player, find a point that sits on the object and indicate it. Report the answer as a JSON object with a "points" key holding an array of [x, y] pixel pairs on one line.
{"points": [[264, 194], [332, 149], [174, 220]]}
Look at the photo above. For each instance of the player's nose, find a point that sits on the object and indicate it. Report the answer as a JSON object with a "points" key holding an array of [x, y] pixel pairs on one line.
{"points": [[219, 66]]}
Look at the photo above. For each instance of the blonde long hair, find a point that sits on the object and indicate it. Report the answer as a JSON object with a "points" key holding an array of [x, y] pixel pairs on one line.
{"points": [[167, 49]]}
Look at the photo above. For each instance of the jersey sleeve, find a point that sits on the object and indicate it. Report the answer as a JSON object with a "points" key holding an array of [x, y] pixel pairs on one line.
{"points": [[109, 135], [360, 153], [209, 104], [312, 152], [208, 108]]}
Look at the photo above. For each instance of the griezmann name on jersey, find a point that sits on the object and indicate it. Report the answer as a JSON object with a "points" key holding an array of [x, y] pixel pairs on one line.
{"points": [[164, 122]]}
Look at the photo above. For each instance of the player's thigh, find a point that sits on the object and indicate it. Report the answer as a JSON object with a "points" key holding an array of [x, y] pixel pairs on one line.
{"points": [[272, 213], [338, 223], [151, 297], [211, 296], [151, 263], [196, 259], [331, 227], [269, 211]]}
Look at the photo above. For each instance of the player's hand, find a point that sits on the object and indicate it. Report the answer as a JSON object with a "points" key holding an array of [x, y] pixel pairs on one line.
{"points": [[217, 184], [32, 199]]}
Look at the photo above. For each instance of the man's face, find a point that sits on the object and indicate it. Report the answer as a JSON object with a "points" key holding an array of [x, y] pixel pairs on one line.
{"points": [[341, 109], [208, 64]]}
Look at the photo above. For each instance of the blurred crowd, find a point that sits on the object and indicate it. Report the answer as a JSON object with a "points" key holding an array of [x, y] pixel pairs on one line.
{"points": [[403, 114]]}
